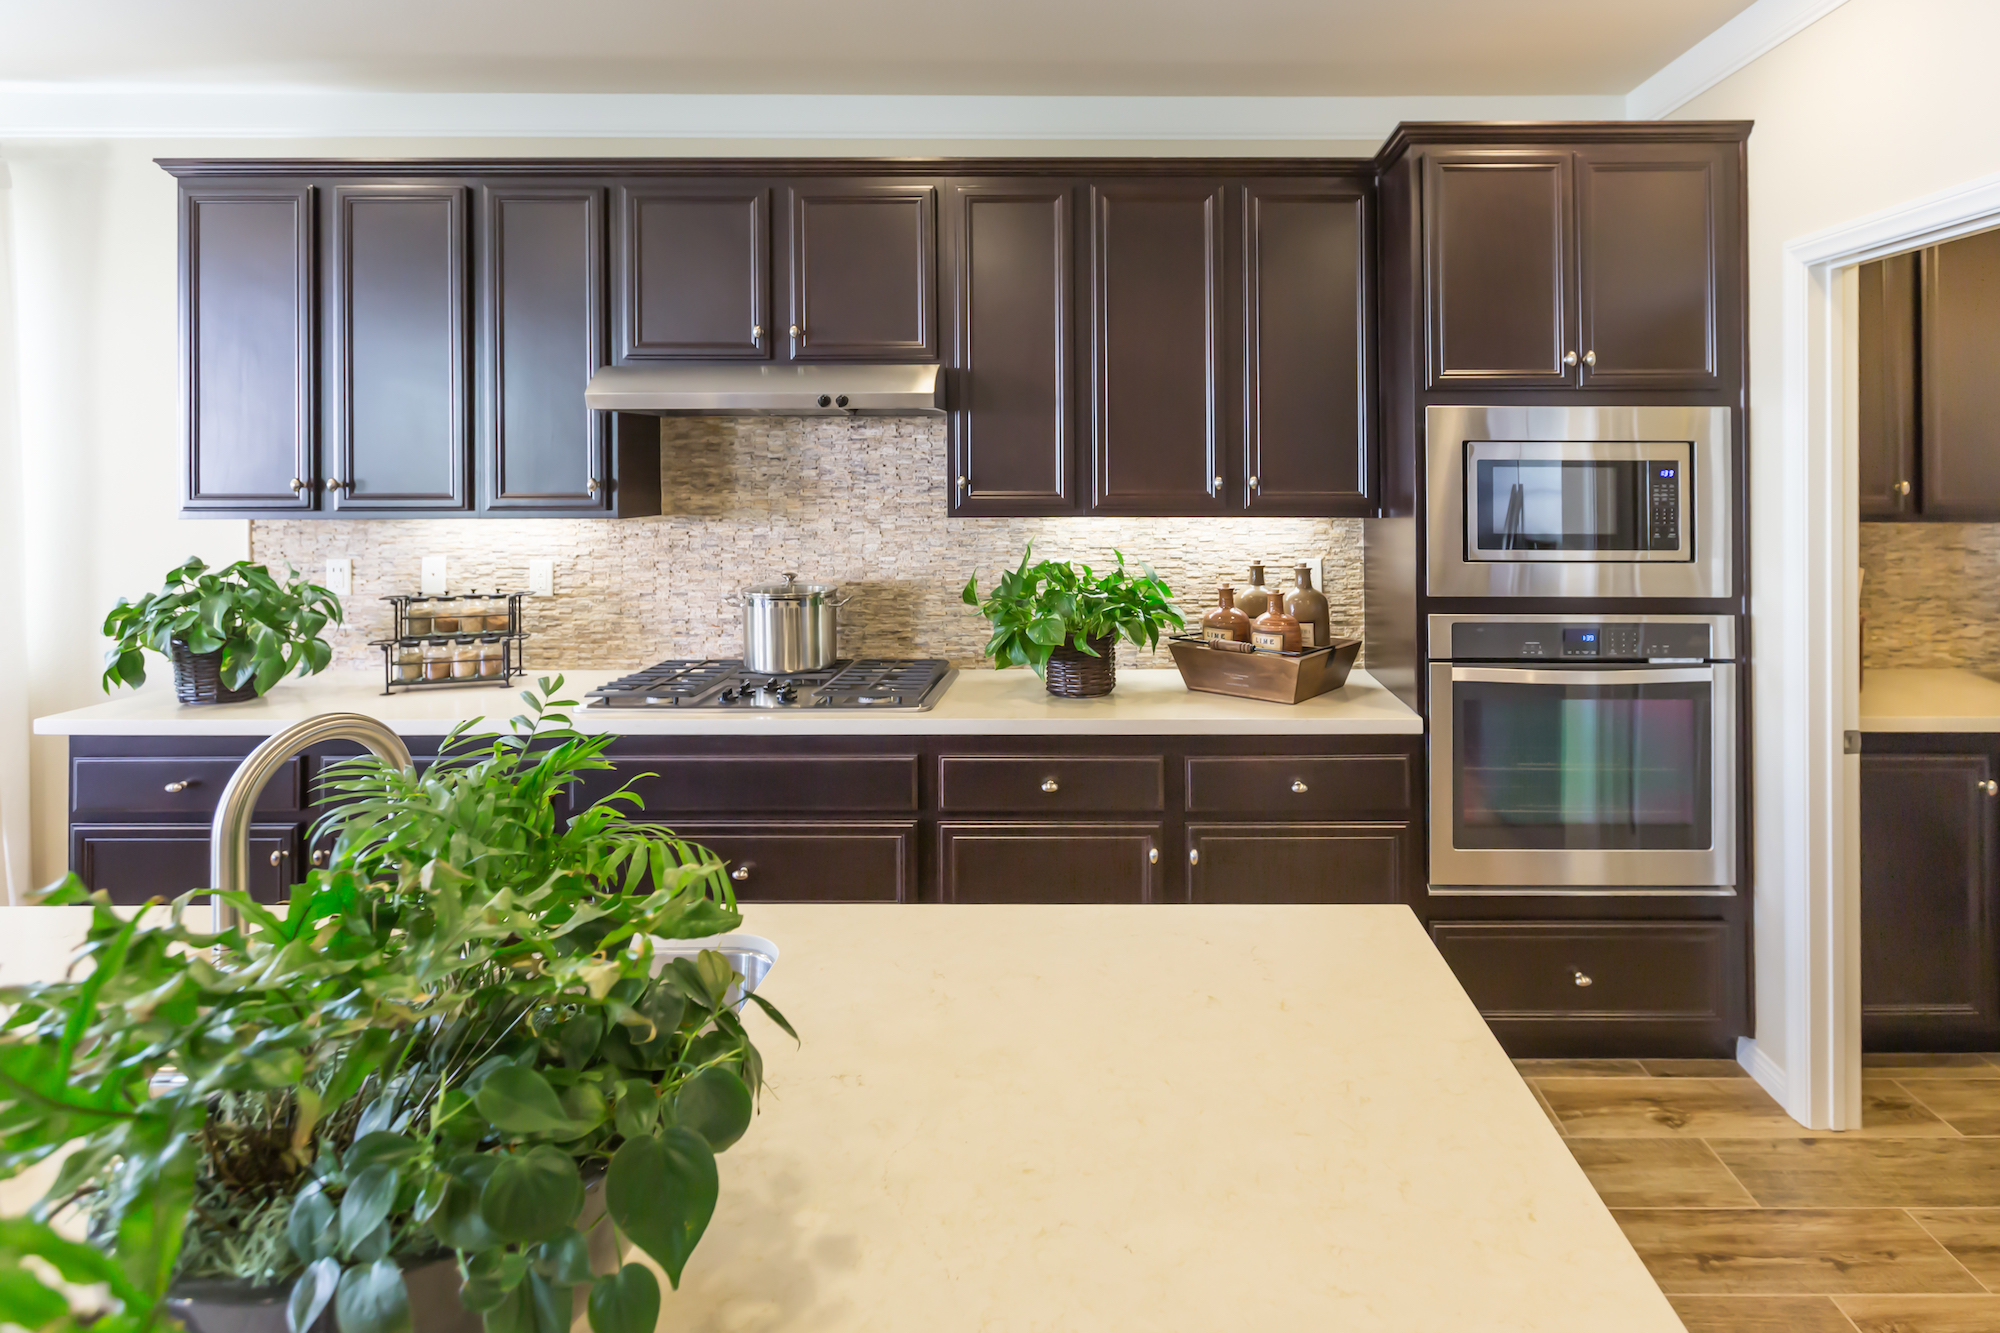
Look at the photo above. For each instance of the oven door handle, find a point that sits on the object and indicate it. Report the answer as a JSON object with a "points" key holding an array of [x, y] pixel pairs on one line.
{"points": [[1584, 675]]}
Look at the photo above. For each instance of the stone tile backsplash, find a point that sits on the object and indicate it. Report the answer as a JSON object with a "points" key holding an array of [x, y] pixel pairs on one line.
{"points": [[1932, 594], [858, 502]]}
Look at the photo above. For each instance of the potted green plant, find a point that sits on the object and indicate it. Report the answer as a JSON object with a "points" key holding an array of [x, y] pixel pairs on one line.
{"points": [[1064, 620], [231, 633], [397, 1088]]}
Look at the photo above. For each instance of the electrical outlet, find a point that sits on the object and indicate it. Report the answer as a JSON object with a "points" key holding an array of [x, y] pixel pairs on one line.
{"points": [[542, 577], [433, 584], [1319, 572], [340, 577]]}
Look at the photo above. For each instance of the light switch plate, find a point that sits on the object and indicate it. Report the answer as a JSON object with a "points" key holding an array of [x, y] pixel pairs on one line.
{"points": [[542, 576], [1319, 572], [339, 578], [433, 584]]}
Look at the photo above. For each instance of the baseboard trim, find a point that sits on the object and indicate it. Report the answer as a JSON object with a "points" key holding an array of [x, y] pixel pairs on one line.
{"points": [[1761, 1067]]}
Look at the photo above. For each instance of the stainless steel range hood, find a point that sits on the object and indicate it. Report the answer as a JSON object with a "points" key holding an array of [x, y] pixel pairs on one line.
{"points": [[768, 391]]}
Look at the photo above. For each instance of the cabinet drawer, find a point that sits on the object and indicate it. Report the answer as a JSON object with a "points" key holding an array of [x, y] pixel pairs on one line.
{"points": [[134, 862], [1301, 786], [1048, 863], [1324, 863], [979, 783], [827, 863], [778, 784], [185, 788], [1590, 971]]}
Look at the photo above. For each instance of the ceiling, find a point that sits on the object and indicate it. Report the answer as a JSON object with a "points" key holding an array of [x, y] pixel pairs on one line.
{"points": [[1324, 48]]}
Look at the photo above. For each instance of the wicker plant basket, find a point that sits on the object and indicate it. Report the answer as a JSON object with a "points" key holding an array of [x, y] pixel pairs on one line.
{"points": [[1073, 674], [198, 678]]}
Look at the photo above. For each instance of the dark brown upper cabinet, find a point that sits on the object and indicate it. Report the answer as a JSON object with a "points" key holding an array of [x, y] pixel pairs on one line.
{"points": [[247, 317], [1498, 271], [694, 265], [1157, 443], [1961, 379], [1887, 430], [1605, 267], [1013, 415], [401, 333], [1305, 371], [863, 264]]}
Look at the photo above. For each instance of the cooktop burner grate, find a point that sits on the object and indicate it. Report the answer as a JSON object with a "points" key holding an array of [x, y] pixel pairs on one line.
{"points": [[873, 682]]}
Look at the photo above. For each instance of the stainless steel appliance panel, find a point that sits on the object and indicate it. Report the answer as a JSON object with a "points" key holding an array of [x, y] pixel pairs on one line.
{"points": [[1598, 551]]}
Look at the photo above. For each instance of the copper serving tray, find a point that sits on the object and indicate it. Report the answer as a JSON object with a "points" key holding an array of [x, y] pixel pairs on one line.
{"points": [[1281, 678]]}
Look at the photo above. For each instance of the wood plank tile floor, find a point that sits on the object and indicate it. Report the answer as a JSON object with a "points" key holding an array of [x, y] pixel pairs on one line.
{"points": [[1752, 1225]]}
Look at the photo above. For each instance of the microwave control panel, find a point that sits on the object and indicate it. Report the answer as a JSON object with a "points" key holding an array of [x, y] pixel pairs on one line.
{"points": [[1663, 505], [1604, 641]]}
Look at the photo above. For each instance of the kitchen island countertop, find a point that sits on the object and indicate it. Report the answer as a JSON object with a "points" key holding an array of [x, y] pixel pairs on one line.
{"points": [[1929, 699], [975, 702], [1206, 1119]]}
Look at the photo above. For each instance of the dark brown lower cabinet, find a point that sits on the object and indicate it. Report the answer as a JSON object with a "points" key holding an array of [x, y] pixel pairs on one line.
{"points": [[1928, 886], [1296, 863], [1048, 863], [134, 862], [1598, 987], [806, 863]]}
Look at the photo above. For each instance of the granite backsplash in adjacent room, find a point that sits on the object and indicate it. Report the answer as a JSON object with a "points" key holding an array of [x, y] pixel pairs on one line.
{"points": [[859, 502], [1932, 594]]}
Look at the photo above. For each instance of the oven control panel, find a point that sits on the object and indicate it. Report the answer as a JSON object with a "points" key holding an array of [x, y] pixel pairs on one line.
{"points": [[1607, 640]]}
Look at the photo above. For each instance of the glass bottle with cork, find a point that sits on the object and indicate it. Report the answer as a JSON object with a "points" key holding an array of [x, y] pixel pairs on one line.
{"points": [[1225, 622], [1254, 600], [1307, 605]]}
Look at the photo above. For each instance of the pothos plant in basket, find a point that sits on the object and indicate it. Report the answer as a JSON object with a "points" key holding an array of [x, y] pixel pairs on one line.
{"points": [[428, 1053], [1064, 619], [231, 633]]}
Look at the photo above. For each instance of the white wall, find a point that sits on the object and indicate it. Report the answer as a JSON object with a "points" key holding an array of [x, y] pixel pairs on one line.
{"points": [[1878, 103]]}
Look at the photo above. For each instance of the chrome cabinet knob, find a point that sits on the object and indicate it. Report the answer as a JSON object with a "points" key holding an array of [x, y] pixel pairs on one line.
{"points": [[756, 333], [1581, 979], [1050, 784], [1569, 358], [334, 485], [1253, 483], [964, 482], [1298, 786], [798, 332], [1590, 358], [1194, 856], [176, 788], [591, 485], [319, 857], [1218, 486], [297, 485], [277, 858], [740, 874], [1902, 488], [1152, 856], [1990, 787]]}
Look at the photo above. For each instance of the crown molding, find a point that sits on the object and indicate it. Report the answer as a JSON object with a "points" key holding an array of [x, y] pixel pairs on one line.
{"points": [[1759, 28], [69, 111]]}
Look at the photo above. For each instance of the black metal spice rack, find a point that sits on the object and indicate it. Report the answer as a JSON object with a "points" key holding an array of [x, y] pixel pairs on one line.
{"points": [[412, 610]]}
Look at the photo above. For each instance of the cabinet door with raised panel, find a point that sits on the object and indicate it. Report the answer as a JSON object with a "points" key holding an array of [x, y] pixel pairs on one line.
{"points": [[544, 317], [402, 423], [1499, 269], [247, 311], [1013, 415], [694, 272], [1297, 863], [1657, 253], [1305, 367], [1156, 436], [1887, 430], [863, 271], [1928, 884], [1048, 863], [137, 862], [1961, 379]]}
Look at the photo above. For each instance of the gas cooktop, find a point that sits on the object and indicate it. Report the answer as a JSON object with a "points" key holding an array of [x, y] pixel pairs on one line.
{"points": [[871, 682]]}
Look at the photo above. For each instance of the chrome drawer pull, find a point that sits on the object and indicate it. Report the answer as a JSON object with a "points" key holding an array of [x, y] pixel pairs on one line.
{"points": [[1298, 786], [740, 874], [277, 858], [176, 788], [1049, 784], [319, 857], [1990, 787], [1581, 979]]}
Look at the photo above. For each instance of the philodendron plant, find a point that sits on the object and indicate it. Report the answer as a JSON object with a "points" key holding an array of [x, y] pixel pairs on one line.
{"points": [[429, 1051], [1039, 608], [264, 626]]}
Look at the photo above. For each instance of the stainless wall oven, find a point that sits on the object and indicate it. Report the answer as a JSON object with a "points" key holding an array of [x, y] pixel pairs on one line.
{"points": [[1578, 754], [1579, 502]]}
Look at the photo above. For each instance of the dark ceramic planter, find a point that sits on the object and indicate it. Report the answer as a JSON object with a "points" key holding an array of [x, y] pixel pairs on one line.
{"points": [[215, 1306]]}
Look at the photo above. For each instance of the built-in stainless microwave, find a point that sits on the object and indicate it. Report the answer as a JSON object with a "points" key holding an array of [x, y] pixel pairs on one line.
{"points": [[1579, 502]]}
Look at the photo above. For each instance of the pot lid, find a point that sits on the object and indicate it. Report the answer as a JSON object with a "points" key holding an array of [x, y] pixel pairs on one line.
{"points": [[792, 590]]}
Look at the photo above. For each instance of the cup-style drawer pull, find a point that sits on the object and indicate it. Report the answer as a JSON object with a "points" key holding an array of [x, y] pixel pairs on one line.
{"points": [[1298, 786], [1581, 978], [740, 874], [1990, 787], [176, 788], [1050, 784]]}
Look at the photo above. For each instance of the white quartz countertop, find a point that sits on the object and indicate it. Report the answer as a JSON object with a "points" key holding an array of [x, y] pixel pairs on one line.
{"points": [[1917, 699], [1198, 1119], [975, 702]]}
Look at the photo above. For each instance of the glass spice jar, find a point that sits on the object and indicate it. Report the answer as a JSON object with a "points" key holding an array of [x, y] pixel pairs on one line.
{"points": [[447, 619], [437, 660], [464, 659], [417, 616], [498, 618], [492, 656], [409, 662]]}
